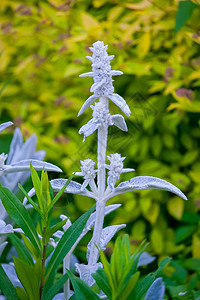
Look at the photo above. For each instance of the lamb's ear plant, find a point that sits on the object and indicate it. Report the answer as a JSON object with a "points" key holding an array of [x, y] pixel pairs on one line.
{"points": [[37, 276], [100, 183]]}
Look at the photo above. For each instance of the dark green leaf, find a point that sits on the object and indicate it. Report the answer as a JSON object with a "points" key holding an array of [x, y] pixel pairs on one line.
{"points": [[185, 9], [102, 281], [19, 214], [31, 201], [81, 289], [183, 232], [21, 249], [192, 264], [55, 288]]}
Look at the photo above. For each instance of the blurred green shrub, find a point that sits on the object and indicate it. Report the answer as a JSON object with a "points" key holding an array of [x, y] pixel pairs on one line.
{"points": [[43, 47]]}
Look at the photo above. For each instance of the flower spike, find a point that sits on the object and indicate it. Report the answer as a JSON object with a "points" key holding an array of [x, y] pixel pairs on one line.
{"points": [[102, 75]]}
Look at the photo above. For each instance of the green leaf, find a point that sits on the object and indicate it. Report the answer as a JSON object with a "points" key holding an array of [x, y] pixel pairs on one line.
{"points": [[144, 284], [50, 231], [19, 214], [58, 195], [66, 242], [21, 249], [6, 286], [102, 281], [129, 287], [192, 264], [185, 9], [55, 288], [21, 293], [37, 186], [30, 247], [183, 232], [81, 289], [31, 201], [162, 264], [28, 278], [107, 270], [45, 194]]}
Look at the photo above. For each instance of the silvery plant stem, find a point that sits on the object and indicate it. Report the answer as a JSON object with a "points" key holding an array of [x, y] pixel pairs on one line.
{"points": [[66, 265], [101, 178]]}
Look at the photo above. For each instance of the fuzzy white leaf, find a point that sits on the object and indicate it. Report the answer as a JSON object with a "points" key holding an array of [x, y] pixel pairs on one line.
{"points": [[118, 120], [15, 146], [87, 103], [72, 188], [115, 72], [106, 235], [88, 74], [10, 272], [5, 229], [145, 259], [89, 128], [5, 125], [156, 290], [147, 182], [119, 101], [85, 272], [24, 165]]}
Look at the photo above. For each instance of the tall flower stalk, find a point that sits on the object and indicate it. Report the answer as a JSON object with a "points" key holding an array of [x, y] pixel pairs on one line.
{"points": [[100, 183]]}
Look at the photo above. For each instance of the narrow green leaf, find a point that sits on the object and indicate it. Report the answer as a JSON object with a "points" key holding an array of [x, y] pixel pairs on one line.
{"points": [[59, 194], [6, 286], [37, 186], [81, 289], [21, 249], [19, 214], [50, 231], [31, 201], [107, 270], [162, 264], [102, 281], [66, 242], [21, 293], [28, 278], [30, 247], [45, 194], [144, 284], [129, 287], [55, 288], [185, 9]]}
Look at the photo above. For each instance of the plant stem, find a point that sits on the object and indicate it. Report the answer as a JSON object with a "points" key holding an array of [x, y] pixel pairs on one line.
{"points": [[101, 178], [43, 265], [66, 265]]}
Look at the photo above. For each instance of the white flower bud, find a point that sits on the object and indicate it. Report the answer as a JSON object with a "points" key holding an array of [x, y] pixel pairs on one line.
{"points": [[87, 169], [116, 165], [101, 114]]}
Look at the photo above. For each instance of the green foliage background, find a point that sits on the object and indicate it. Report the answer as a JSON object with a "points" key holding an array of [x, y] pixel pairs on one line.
{"points": [[43, 45]]}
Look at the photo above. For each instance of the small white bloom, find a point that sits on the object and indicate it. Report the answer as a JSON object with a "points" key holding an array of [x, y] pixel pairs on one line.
{"points": [[101, 117], [88, 172], [102, 75], [115, 169]]}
